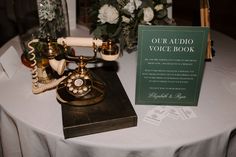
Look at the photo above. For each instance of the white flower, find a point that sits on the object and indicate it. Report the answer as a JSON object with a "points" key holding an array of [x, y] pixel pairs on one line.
{"points": [[125, 19], [159, 7], [109, 14], [137, 3], [129, 7], [47, 11], [148, 14], [132, 5]]}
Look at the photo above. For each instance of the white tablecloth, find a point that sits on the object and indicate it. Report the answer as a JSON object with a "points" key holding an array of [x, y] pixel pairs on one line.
{"points": [[31, 125]]}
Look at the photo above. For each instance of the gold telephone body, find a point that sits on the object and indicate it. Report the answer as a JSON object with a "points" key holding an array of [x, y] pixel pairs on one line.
{"points": [[81, 87], [40, 78]]}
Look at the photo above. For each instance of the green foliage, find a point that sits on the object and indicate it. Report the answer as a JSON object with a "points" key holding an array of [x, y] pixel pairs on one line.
{"points": [[130, 14]]}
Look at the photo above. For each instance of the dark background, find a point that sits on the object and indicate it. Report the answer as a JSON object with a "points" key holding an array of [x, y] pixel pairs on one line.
{"points": [[222, 14], [17, 16]]}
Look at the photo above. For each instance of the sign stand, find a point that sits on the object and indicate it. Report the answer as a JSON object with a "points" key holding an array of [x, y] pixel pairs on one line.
{"points": [[205, 22]]}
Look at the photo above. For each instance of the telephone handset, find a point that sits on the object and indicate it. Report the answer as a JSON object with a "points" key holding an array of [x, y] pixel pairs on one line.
{"points": [[39, 70], [82, 87], [108, 50]]}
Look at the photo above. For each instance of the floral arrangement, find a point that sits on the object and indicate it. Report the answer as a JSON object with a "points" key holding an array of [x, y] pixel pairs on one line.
{"points": [[119, 19], [52, 20], [53, 23]]}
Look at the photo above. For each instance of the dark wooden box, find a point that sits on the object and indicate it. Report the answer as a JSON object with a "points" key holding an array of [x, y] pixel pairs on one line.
{"points": [[114, 112]]}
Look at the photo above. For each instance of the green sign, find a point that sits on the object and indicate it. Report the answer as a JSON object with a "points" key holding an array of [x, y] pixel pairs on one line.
{"points": [[170, 64]]}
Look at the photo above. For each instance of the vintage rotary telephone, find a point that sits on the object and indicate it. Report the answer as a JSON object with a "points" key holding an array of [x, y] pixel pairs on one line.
{"points": [[81, 86]]}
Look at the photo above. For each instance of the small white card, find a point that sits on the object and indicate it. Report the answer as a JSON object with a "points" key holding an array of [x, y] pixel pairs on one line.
{"points": [[10, 62], [157, 114]]}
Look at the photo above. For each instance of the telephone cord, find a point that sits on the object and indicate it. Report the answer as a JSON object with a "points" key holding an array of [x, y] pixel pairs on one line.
{"points": [[34, 70], [54, 83]]}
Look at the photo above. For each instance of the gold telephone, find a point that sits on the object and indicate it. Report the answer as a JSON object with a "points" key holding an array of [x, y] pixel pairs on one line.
{"points": [[81, 86]]}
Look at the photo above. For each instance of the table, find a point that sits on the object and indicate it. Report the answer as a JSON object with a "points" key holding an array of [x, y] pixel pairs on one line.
{"points": [[31, 125]]}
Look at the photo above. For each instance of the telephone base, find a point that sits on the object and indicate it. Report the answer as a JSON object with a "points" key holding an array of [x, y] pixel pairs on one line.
{"points": [[112, 113]]}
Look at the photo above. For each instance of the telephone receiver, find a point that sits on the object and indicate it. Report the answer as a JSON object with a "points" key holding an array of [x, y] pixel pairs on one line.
{"points": [[58, 65], [108, 50]]}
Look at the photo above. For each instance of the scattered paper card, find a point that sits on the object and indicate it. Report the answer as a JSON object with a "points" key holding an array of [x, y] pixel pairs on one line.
{"points": [[10, 61], [159, 113]]}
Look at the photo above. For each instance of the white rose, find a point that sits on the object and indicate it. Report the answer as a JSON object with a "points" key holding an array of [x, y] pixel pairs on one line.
{"points": [[159, 7], [130, 7], [138, 3], [148, 14], [108, 14], [125, 19]]}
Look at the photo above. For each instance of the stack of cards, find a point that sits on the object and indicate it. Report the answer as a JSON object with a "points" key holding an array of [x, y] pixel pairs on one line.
{"points": [[157, 114]]}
